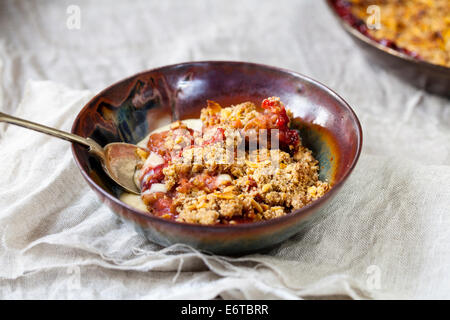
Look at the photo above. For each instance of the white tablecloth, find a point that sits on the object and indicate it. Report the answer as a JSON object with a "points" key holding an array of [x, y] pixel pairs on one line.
{"points": [[386, 234]]}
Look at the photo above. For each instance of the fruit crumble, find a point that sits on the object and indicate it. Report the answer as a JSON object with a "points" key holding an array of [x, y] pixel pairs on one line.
{"points": [[245, 164], [419, 28]]}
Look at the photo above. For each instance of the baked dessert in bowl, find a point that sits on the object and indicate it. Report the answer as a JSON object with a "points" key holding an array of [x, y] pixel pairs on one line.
{"points": [[233, 165], [225, 208]]}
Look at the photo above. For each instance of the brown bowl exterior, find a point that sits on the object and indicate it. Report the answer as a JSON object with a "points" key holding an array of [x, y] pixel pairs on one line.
{"points": [[423, 75], [129, 109]]}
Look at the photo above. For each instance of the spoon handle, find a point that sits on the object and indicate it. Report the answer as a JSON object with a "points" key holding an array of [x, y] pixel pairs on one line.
{"points": [[94, 147]]}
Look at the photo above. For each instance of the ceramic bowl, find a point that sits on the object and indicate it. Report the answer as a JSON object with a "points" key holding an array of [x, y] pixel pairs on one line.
{"points": [[129, 109], [422, 74]]}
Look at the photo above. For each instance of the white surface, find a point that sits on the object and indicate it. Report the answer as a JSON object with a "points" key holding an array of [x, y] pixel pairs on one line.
{"points": [[58, 241]]}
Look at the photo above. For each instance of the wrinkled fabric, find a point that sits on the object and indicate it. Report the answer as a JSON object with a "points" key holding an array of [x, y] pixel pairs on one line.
{"points": [[385, 235]]}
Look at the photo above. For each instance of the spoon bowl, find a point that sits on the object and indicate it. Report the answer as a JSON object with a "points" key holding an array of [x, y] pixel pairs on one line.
{"points": [[120, 163]]}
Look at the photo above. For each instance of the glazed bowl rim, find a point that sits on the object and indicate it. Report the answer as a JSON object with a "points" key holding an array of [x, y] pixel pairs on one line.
{"points": [[217, 227], [354, 32]]}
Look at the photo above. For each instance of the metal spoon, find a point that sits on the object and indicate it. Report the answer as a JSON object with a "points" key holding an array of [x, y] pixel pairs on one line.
{"points": [[118, 159]]}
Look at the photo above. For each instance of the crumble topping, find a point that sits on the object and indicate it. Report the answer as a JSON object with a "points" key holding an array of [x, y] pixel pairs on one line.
{"points": [[420, 28], [244, 165]]}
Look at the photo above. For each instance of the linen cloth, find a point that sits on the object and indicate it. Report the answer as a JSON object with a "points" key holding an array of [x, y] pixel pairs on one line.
{"points": [[385, 235]]}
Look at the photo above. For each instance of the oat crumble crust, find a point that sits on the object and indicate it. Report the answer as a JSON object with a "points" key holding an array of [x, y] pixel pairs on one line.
{"points": [[420, 26], [200, 186]]}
